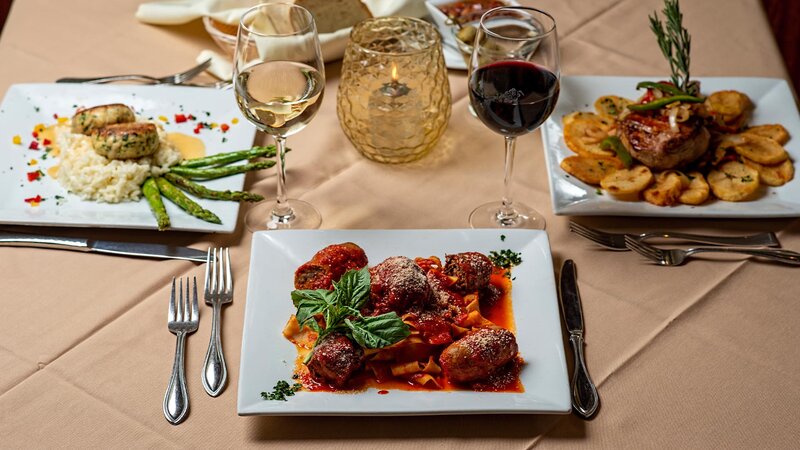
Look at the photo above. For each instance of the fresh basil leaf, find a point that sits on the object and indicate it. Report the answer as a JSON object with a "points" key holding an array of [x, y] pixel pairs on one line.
{"points": [[353, 288], [318, 294], [378, 331], [307, 308]]}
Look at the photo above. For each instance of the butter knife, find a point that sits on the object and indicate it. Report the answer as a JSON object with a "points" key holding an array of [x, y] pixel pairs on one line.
{"points": [[584, 393], [160, 251]]}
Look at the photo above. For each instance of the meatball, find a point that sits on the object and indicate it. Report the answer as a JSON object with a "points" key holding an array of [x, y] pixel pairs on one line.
{"points": [[478, 354], [472, 269], [397, 284], [335, 359], [444, 302], [86, 121], [328, 265], [652, 141], [126, 140]]}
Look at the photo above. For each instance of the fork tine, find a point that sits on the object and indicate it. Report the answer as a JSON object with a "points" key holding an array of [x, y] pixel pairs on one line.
{"points": [[187, 305], [207, 283], [214, 274], [171, 314], [642, 248], [594, 238], [228, 277], [195, 311], [191, 73]]}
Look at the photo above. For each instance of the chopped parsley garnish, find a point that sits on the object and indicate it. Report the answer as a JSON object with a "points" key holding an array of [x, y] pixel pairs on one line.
{"points": [[506, 258], [281, 390], [503, 237]]}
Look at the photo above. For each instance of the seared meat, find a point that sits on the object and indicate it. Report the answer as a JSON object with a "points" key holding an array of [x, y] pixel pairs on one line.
{"points": [[328, 265], [651, 140], [444, 302], [478, 354], [335, 359], [397, 284], [86, 121], [473, 270], [126, 140]]}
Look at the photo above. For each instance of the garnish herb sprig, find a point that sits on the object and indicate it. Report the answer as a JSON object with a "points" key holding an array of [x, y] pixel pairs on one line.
{"points": [[675, 43], [505, 258], [341, 310], [282, 390]]}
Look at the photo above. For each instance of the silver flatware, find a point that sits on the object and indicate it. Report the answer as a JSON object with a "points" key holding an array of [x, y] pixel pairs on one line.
{"points": [[178, 78], [676, 257], [218, 291], [183, 319], [160, 251], [616, 241], [585, 398]]}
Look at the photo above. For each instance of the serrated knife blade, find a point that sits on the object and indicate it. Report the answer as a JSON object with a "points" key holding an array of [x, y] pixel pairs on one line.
{"points": [[585, 398], [160, 251]]}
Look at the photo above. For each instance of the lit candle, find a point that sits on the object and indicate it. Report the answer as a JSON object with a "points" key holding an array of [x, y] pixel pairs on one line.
{"points": [[395, 88]]}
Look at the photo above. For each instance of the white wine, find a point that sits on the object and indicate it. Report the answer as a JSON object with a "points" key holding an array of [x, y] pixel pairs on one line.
{"points": [[282, 96]]}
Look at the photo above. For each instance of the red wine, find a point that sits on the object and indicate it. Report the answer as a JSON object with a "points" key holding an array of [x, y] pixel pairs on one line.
{"points": [[513, 97]]}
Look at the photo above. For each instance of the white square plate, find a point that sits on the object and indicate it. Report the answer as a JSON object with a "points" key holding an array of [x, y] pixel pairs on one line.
{"points": [[26, 105], [774, 104], [268, 357]]}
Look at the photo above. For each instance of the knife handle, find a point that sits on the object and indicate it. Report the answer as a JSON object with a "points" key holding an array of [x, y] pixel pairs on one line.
{"points": [[32, 240], [584, 394]]}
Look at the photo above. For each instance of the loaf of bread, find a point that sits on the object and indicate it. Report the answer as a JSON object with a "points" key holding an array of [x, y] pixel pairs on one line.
{"points": [[332, 15]]}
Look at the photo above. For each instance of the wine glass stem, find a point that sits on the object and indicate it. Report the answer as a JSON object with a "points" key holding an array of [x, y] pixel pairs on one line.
{"points": [[507, 212], [282, 210]]}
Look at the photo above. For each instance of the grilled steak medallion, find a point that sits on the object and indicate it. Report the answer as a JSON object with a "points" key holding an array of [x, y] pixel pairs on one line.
{"points": [[651, 140]]}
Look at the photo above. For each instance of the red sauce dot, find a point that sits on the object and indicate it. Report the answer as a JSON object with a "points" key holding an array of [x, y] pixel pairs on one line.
{"points": [[383, 392]]}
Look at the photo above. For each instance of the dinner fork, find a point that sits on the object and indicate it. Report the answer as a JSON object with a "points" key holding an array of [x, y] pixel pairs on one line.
{"points": [[178, 78], [676, 257], [218, 290], [183, 319], [616, 241]]}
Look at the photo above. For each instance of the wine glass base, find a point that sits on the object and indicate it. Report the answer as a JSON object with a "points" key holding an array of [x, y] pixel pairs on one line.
{"points": [[302, 216], [489, 216]]}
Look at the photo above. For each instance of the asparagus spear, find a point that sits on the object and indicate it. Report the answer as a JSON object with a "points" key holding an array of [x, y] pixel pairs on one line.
{"points": [[209, 173], [227, 158], [153, 196], [198, 190], [179, 198]]}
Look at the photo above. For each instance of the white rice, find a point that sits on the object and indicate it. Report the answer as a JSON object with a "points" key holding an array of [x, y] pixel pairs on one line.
{"points": [[94, 177]]}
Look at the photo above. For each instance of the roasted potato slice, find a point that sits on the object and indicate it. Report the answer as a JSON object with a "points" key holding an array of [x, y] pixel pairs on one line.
{"points": [[775, 175], [728, 105], [760, 149], [697, 192], [733, 181], [583, 134], [581, 115], [667, 188], [590, 170], [611, 105], [628, 181], [776, 132]]}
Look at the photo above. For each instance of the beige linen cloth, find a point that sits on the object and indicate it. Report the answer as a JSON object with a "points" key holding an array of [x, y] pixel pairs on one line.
{"points": [[698, 356]]}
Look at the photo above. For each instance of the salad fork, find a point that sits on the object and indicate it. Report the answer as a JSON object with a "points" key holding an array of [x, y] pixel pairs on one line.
{"points": [[183, 319], [616, 241], [218, 290], [676, 257], [178, 78]]}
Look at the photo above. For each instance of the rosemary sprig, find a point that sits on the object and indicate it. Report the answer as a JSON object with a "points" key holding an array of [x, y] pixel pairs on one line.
{"points": [[675, 43]]}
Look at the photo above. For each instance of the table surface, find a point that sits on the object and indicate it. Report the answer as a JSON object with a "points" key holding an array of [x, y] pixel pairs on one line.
{"points": [[691, 356]]}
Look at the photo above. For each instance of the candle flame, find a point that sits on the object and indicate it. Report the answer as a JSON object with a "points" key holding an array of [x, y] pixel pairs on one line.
{"points": [[394, 73]]}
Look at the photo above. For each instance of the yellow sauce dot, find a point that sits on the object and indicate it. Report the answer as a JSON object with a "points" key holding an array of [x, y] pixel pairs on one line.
{"points": [[17, 140], [63, 119], [53, 171], [213, 125], [38, 128], [33, 162], [234, 121], [163, 118], [189, 146]]}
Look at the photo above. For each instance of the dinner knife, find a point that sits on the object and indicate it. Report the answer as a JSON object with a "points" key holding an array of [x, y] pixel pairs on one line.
{"points": [[584, 393], [97, 246]]}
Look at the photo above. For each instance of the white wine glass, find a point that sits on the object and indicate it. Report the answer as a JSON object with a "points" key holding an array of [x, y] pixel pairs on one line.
{"points": [[514, 77], [279, 78]]}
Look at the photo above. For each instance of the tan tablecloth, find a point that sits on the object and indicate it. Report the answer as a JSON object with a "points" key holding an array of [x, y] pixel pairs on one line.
{"points": [[695, 356]]}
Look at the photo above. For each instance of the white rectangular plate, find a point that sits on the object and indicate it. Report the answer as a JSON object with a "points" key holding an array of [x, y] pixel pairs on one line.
{"points": [[26, 105], [268, 357], [774, 104]]}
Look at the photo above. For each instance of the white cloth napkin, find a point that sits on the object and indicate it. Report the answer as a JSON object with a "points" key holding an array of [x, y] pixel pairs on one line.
{"points": [[176, 12]]}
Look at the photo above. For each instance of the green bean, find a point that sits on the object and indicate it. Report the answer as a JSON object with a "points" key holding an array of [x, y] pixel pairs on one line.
{"points": [[662, 102], [198, 190], [179, 198], [229, 157], [661, 87], [209, 173], [153, 196]]}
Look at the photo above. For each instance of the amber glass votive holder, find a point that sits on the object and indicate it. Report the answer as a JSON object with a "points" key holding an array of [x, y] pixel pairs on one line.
{"points": [[394, 97]]}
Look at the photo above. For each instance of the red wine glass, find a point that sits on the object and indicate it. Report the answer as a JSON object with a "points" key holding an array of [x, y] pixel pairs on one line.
{"points": [[513, 87]]}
